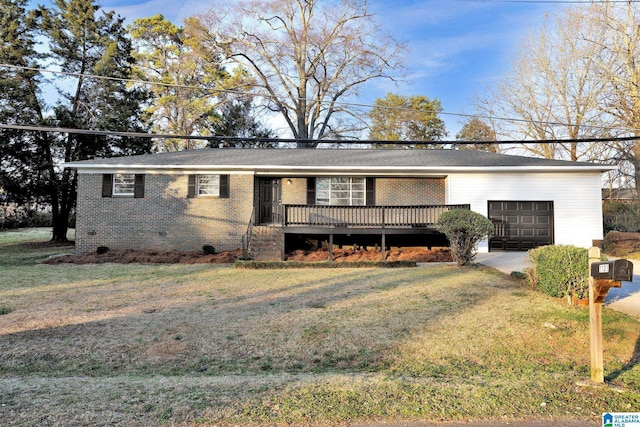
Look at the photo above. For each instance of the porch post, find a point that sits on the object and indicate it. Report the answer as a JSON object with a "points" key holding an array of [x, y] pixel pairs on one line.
{"points": [[330, 247], [384, 245]]}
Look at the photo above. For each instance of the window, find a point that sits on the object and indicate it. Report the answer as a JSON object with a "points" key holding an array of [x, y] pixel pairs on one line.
{"points": [[341, 191], [124, 184], [209, 185]]}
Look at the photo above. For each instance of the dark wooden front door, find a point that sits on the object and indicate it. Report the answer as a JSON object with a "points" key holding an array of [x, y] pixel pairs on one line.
{"points": [[270, 200], [521, 225]]}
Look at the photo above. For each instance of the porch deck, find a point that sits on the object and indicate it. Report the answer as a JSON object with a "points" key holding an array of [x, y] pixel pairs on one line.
{"points": [[376, 217]]}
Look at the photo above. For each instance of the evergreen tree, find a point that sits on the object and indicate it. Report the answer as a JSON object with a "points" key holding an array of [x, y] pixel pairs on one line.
{"points": [[477, 130], [92, 45], [237, 121], [190, 86], [407, 118], [20, 103]]}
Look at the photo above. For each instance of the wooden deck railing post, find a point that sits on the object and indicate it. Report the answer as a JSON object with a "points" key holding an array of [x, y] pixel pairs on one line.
{"points": [[330, 247], [362, 216], [384, 247]]}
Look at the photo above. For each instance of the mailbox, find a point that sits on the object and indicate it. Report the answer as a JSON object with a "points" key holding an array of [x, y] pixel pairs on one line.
{"points": [[620, 270]]}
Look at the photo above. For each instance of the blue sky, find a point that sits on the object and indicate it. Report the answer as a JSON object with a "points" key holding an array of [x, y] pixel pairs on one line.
{"points": [[456, 48]]}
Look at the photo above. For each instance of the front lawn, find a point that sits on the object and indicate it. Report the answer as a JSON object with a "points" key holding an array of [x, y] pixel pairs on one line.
{"points": [[134, 344]]}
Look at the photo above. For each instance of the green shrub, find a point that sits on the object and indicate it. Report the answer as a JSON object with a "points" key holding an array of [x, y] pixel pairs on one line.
{"points": [[560, 271], [32, 215], [464, 229]]}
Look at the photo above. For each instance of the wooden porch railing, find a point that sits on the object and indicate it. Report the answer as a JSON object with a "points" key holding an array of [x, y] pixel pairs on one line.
{"points": [[365, 216]]}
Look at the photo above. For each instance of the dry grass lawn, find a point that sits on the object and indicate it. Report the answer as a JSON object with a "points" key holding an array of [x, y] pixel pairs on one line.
{"points": [[212, 345]]}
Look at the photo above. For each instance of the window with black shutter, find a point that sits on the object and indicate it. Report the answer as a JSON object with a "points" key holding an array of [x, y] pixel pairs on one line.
{"points": [[208, 185], [123, 185]]}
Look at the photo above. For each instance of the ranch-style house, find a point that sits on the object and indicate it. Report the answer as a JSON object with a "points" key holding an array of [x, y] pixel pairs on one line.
{"points": [[272, 200]]}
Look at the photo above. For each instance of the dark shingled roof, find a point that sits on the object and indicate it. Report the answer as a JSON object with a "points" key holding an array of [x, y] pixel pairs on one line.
{"points": [[330, 158]]}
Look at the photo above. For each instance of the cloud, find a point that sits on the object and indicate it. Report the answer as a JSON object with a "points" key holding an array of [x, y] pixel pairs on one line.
{"points": [[174, 11]]}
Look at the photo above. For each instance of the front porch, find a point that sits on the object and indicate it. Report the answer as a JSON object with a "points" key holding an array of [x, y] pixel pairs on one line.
{"points": [[340, 224], [377, 217]]}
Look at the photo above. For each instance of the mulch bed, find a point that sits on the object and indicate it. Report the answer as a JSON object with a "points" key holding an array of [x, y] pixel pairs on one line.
{"points": [[350, 255], [147, 257], [199, 257]]}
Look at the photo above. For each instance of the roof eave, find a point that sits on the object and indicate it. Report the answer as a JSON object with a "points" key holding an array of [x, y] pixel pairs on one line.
{"points": [[293, 170]]}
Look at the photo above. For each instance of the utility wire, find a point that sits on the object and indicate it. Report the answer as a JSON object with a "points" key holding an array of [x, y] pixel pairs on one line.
{"points": [[342, 103], [222, 138]]}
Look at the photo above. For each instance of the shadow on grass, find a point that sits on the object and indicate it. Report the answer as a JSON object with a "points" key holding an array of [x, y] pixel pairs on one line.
{"points": [[307, 316], [633, 361]]}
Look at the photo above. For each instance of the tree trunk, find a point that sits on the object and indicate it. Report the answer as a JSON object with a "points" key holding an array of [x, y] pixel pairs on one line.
{"points": [[60, 227]]}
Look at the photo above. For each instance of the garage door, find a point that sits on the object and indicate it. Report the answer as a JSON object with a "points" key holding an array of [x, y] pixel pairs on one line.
{"points": [[520, 226]]}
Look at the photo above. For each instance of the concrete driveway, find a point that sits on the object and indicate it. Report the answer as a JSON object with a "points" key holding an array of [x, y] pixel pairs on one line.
{"points": [[625, 299]]}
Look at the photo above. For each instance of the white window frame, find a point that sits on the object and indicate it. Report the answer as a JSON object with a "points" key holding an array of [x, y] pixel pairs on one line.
{"points": [[341, 191], [124, 184], [208, 189]]}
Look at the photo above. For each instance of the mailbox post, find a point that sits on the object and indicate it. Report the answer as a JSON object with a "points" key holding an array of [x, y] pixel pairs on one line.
{"points": [[603, 276]]}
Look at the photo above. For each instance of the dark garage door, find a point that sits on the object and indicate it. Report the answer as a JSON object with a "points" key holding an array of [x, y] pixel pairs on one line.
{"points": [[520, 226]]}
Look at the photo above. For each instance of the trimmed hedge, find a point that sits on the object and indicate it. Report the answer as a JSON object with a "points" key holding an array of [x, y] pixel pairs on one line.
{"points": [[560, 271], [621, 244], [281, 265], [464, 229]]}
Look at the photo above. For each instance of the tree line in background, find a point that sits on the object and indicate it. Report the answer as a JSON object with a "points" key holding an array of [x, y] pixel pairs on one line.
{"points": [[292, 64]]}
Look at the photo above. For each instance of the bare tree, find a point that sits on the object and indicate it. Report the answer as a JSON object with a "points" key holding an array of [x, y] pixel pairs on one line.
{"points": [[307, 58], [617, 49], [551, 92]]}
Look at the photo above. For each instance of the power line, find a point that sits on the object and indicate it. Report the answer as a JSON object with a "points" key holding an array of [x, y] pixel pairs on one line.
{"points": [[342, 103], [222, 138]]}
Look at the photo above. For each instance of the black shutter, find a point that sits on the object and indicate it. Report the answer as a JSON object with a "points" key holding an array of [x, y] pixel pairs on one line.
{"points": [[371, 191], [191, 189], [138, 189], [311, 191], [107, 185], [224, 186]]}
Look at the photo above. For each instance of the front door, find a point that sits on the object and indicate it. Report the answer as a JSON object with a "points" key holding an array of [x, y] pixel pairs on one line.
{"points": [[270, 200]]}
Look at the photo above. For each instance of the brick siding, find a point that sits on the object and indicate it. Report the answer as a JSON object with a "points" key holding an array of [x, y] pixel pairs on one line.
{"points": [[389, 191], [294, 193], [410, 191], [165, 219]]}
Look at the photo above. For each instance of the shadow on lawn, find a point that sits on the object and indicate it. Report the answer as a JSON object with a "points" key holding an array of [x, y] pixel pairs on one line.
{"points": [[635, 359], [146, 335]]}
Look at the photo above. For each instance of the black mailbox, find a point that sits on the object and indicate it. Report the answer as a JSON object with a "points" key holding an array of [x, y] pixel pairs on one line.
{"points": [[620, 270]]}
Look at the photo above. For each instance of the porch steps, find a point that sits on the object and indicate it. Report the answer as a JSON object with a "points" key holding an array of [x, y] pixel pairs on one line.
{"points": [[266, 243]]}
